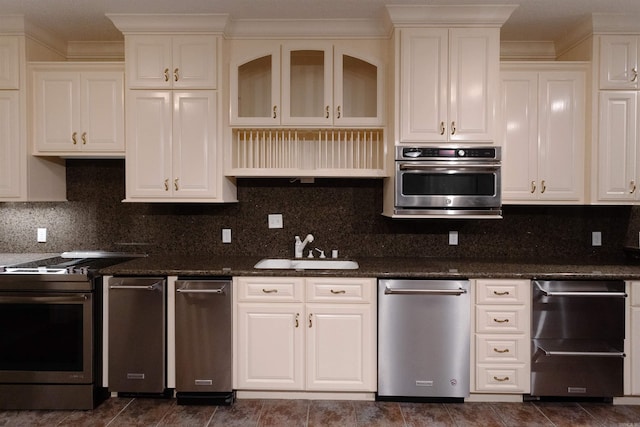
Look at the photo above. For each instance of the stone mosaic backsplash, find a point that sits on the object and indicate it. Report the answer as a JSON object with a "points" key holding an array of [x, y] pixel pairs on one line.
{"points": [[342, 214]]}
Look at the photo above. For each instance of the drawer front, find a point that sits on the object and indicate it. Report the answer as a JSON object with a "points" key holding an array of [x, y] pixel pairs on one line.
{"points": [[502, 348], [502, 379], [349, 290], [274, 289], [635, 293], [502, 319], [502, 291]]}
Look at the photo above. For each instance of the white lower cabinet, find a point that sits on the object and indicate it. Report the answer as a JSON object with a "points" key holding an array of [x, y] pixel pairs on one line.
{"points": [[502, 336], [305, 334]]}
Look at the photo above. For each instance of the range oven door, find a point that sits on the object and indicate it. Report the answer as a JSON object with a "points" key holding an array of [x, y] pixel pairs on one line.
{"points": [[46, 337], [447, 185]]}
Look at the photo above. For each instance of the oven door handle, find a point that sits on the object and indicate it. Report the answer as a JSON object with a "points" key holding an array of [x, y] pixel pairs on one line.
{"points": [[580, 294], [391, 291], [583, 353], [448, 168], [34, 299]]}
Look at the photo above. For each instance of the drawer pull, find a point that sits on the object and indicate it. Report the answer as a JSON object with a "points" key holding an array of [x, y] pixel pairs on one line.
{"points": [[506, 350], [501, 320], [342, 291], [270, 291], [503, 379], [500, 294]]}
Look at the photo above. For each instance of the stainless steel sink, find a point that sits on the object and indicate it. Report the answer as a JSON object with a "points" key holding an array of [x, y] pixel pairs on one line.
{"points": [[306, 264]]}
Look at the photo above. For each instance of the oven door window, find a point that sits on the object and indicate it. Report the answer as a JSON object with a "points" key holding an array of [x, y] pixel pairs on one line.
{"points": [[48, 335], [448, 184]]}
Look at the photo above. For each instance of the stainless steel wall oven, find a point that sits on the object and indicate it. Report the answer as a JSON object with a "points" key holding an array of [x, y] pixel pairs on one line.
{"points": [[448, 181]]}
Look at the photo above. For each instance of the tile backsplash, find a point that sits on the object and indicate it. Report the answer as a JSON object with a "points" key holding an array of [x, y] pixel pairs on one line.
{"points": [[342, 214]]}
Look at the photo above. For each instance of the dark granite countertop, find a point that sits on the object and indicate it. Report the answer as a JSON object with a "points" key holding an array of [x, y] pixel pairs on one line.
{"points": [[181, 265]]}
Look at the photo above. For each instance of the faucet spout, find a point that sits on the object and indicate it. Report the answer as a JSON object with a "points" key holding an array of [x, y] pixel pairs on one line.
{"points": [[300, 244]]}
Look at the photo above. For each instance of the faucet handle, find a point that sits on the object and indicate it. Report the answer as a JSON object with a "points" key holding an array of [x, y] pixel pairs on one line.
{"points": [[322, 255], [310, 253]]}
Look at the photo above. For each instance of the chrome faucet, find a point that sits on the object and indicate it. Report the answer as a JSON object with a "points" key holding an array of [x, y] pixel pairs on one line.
{"points": [[300, 244]]}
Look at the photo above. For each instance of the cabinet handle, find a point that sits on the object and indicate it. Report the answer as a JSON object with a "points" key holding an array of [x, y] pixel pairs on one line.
{"points": [[275, 111], [175, 184], [453, 128], [634, 70], [501, 320], [176, 75], [633, 187], [543, 187], [339, 114], [501, 293], [533, 187], [166, 185], [342, 291], [506, 350], [74, 138], [269, 291], [326, 116], [297, 319], [442, 128], [84, 138], [310, 317], [166, 74], [503, 379]]}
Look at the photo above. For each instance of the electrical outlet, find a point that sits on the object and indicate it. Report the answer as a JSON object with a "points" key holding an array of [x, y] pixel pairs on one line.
{"points": [[42, 235], [453, 237], [596, 238], [226, 235], [275, 221]]}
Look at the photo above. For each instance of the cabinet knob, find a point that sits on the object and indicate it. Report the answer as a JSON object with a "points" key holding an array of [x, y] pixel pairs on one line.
{"points": [[543, 187], [166, 74], [176, 75], [84, 138], [74, 138]]}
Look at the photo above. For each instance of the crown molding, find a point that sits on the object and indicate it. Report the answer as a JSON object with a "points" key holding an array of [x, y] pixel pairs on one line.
{"points": [[450, 15], [199, 23], [527, 50], [309, 28], [615, 23], [95, 51], [18, 25]]}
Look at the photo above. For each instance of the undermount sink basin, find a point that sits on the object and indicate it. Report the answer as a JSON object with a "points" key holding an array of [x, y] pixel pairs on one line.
{"points": [[306, 264]]}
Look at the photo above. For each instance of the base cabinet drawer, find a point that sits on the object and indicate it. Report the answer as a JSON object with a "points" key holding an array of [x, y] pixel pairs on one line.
{"points": [[503, 378], [502, 348]]}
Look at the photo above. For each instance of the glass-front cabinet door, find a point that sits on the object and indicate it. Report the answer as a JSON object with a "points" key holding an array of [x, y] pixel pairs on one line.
{"points": [[255, 89], [358, 86]]}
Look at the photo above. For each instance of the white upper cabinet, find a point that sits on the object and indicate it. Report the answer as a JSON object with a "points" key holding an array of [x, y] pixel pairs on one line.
{"points": [[78, 108], [619, 62], [449, 82], [543, 134], [617, 175], [9, 67], [10, 164], [171, 61], [310, 83]]}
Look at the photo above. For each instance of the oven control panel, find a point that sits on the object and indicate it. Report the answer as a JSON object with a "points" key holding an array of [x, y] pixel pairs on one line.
{"points": [[448, 153]]}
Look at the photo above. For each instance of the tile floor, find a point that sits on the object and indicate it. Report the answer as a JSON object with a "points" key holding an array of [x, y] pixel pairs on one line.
{"points": [[118, 411]]}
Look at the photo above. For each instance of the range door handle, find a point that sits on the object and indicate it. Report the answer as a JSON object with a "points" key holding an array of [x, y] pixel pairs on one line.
{"points": [[402, 291], [580, 294]]}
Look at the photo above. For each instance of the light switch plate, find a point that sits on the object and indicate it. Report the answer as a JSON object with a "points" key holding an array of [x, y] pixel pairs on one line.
{"points": [[453, 237], [226, 235], [596, 238], [42, 235], [275, 221]]}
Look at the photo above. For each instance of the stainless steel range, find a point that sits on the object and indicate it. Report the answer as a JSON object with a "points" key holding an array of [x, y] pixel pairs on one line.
{"points": [[50, 332]]}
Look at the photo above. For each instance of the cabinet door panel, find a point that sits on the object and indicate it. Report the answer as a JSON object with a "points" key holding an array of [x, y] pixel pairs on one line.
{"points": [[618, 59], [358, 94], [474, 70], [270, 346], [10, 164], [148, 165], [56, 111], [520, 135], [148, 61], [423, 85], [194, 144], [340, 348], [194, 62], [617, 146], [9, 62], [561, 136], [255, 90], [102, 112]]}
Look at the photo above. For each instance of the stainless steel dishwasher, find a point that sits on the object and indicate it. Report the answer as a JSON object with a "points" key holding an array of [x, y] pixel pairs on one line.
{"points": [[203, 341], [137, 335], [423, 339]]}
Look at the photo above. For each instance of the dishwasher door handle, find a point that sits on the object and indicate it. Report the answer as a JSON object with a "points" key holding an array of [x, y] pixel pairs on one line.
{"points": [[580, 294], [583, 353], [404, 291], [140, 288], [201, 291]]}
